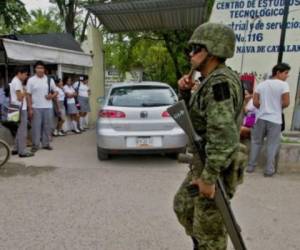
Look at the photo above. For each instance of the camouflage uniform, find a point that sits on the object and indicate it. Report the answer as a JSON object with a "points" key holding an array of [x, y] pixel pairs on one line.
{"points": [[214, 110]]}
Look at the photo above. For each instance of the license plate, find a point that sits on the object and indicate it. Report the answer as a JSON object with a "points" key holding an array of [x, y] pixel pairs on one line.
{"points": [[144, 141]]}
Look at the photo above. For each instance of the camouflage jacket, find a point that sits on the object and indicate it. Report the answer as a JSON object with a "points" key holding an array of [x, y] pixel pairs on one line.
{"points": [[215, 110]]}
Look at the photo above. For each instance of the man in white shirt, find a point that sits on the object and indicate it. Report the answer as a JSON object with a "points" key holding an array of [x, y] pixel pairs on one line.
{"points": [[41, 91], [18, 98], [270, 97]]}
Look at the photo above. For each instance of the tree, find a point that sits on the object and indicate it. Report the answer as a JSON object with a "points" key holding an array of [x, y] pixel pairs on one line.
{"points": [[42, 22], [12, 15], [125, 51], [161, 53], [67, 10], [75, 17], [171, 44]]}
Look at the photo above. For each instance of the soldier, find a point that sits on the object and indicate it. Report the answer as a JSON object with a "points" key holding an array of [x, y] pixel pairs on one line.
{"points": [[215, 111]]}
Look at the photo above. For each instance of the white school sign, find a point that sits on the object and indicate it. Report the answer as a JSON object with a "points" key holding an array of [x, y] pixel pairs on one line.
{"points": [[257, 25]]}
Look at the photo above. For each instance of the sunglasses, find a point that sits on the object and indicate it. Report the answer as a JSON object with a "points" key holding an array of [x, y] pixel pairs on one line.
{"points": [[196, 48]]}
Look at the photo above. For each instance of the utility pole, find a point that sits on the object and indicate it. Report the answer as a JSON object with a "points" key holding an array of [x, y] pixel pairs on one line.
{"points": [[283, 30]]}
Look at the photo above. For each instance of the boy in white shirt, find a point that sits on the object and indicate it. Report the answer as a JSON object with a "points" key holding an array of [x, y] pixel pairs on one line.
{"points": [[18, 98], [270, 98], [41, 91]]}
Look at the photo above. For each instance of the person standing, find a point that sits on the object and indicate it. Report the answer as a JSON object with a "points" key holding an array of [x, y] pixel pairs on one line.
{"points": [[18, 98], [270, 98], [41, 92], [215, 109], [59, 109], [72, 110], [83, 92], [249, 116]]}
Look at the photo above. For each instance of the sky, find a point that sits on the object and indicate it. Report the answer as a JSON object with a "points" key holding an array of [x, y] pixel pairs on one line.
{"points": [[36, 4]]}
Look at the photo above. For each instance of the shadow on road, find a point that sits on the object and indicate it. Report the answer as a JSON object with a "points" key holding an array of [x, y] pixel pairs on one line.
{"points": [[141, 161], [14, 169]]}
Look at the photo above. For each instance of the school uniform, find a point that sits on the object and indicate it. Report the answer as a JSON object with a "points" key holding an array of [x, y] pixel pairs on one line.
{"points": [[21, 137], [83, 96], [71, 104], [61, 101], [42, 122]]}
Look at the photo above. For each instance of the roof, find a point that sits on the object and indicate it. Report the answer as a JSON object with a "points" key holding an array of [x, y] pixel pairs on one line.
{"points": [[22, 51], [57, 40], [143, 15]]}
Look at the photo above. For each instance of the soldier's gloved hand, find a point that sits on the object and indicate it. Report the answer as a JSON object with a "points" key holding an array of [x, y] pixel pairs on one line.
{"points": [[186, 83], [207, 190]]}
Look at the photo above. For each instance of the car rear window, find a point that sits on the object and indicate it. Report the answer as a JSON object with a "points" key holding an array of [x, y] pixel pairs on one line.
{"points": [[142, 96]]}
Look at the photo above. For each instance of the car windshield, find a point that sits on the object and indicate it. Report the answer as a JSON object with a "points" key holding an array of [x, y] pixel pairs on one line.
{"points": [[142, 96]]}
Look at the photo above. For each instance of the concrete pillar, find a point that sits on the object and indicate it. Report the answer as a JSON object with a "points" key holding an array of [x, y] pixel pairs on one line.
{"points": [[97, 72]]}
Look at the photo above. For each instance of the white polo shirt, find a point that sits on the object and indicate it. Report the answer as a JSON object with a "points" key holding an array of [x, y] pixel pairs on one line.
{"points": [[16, 85], [39, 89], [69, 90], [61, 94], [270, 94], [83, 89]]}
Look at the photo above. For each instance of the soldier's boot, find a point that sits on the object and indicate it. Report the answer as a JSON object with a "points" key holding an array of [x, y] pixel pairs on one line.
{"points": [[195, 243]]}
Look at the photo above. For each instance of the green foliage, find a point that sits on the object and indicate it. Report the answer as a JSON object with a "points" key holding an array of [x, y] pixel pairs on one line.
{"points": [[161, 54], [155, 59], [210, 5], [42, 22], [12, 15], [74, 16]]}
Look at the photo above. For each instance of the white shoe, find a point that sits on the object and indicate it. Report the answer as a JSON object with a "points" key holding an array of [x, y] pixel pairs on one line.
{"points": [[55, 132], [61, 133]]}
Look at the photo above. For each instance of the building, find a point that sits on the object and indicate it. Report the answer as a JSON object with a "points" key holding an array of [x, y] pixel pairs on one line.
{"points": [[257, 25], [60, 51], [62, 54]]}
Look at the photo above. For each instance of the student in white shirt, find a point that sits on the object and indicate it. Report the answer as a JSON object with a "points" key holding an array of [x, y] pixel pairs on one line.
{"points": [[59, 108], [41, 92], [71, 108], [18, 98], [270, 98], [83, 92]]}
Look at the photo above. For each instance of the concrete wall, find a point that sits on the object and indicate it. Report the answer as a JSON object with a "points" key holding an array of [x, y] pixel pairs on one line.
{"points": [[94, 45], [258, 38]]}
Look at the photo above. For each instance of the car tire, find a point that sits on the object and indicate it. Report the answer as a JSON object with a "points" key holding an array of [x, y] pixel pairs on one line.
{"points": [[172, 156], [102, 155]]}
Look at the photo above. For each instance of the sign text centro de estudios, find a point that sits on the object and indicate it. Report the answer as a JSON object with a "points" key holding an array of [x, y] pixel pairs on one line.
{"points": [[257, 25]]}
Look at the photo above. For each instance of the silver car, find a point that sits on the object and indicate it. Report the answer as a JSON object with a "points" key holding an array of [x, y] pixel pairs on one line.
{"points": [[134, 119]]}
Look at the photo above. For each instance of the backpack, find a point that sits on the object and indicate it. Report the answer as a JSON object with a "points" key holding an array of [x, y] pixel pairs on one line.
{"points": [[49, 85], [76, 98], [13, 111]]}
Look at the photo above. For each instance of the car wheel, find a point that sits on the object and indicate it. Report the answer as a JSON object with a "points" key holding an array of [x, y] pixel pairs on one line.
{"points": [[102, 155], [173, 156]]}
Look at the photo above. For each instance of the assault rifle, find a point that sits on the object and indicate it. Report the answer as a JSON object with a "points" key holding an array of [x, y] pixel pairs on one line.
{"points": [[180, 114]]}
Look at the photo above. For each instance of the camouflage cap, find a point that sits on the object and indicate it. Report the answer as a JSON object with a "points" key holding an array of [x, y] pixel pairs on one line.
{"points": [[218, 38]]}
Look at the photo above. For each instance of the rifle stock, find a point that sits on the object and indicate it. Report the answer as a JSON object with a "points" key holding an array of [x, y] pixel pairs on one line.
{"points": [[180, 114]]}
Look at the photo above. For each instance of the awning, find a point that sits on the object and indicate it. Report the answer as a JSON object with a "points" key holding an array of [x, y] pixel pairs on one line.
{"points": [[143, 15], [28, 52]]}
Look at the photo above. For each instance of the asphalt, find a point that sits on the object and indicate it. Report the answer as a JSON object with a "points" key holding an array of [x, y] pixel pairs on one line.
{"points": [[67, 199]]}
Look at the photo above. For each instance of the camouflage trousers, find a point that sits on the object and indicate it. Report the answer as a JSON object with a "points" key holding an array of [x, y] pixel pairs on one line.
{"points": [[201, 219]]}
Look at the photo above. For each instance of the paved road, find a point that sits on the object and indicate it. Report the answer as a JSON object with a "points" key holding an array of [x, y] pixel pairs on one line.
{"points": [[66, 199]]}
